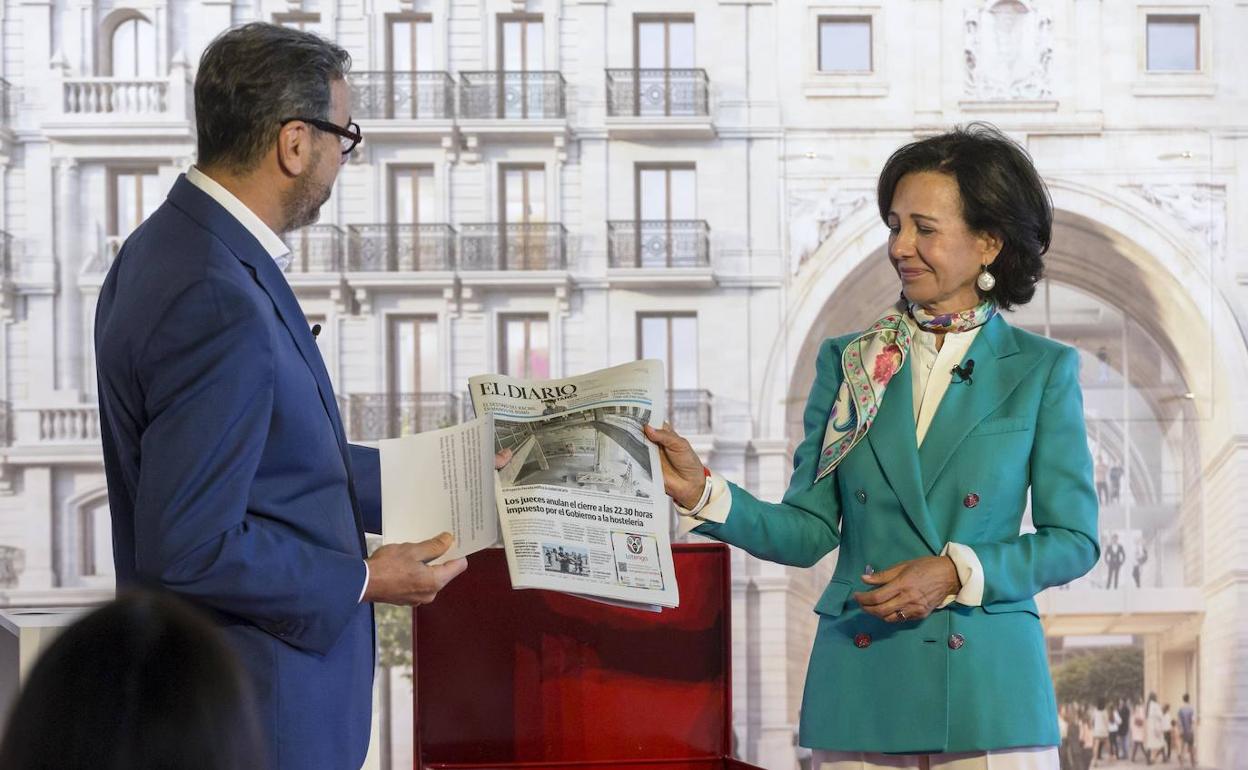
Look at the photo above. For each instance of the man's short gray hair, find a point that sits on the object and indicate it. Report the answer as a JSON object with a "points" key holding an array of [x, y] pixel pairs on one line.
{"points": [[253, 76]]}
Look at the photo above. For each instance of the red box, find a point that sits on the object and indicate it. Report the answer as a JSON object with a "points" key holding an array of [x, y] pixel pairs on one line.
{"points": [[539, 679]]}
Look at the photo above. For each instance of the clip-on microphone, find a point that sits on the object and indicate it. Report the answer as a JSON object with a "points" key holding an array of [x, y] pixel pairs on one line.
{"points": [[963, 373]]}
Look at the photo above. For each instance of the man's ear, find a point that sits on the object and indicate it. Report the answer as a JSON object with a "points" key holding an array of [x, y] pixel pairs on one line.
{"points": [[294, 147]]}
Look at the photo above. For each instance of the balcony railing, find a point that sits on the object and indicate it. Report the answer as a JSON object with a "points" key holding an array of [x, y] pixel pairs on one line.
{"points": [[390, 247], [512, 95], [316, 249], [524, 246], [116, 96], [402, 95], [689, 410], [657, 93], [56, 425], [658, 243], [373, 416]]}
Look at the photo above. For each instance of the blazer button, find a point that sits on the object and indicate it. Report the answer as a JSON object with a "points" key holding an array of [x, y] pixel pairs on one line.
{"points": [[861, 495], [971, 500], [956, 641], [862, 641]]}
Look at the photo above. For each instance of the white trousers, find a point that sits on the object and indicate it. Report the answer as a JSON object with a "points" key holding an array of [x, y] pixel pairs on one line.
{"points": [[1036, 758]]}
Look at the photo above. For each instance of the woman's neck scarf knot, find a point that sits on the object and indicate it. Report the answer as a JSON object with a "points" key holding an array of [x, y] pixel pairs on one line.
{"points": [[868, 364]]}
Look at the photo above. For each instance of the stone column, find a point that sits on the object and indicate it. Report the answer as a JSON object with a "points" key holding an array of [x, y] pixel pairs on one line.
{"points": [[68, 254], [1222, 736], [37, 530]]}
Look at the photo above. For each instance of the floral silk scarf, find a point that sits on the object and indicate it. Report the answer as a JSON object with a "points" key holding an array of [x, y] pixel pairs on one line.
{"points": [[870, 361]]}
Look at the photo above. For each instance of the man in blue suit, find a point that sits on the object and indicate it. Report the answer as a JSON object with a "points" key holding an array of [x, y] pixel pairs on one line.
{"points": [[230, 479]]}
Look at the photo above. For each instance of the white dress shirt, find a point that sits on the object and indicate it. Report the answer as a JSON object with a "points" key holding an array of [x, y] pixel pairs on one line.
{"points": [[269, 240]]}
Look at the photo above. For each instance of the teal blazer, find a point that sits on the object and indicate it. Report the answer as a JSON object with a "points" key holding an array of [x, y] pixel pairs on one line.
{"points": [[964, 678]]}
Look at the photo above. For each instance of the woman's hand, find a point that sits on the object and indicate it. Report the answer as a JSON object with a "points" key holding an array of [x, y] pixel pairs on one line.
{"points": [[910, 590], [683, 478]]}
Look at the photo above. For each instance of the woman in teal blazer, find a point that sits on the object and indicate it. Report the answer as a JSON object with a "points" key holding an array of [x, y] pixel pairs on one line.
{"points": [[929, 643]]}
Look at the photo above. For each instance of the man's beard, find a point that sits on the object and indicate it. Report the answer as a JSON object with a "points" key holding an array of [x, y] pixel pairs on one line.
{"points": [[302, 206]]}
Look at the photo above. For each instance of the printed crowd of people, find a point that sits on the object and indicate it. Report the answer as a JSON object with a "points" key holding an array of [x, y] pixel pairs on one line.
{"points": [[1109, 732], [559, 560]]}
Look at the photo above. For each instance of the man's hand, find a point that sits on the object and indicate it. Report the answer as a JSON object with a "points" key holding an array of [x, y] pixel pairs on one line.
{"points": [[398, 573], [683, 478], [910, 590]]}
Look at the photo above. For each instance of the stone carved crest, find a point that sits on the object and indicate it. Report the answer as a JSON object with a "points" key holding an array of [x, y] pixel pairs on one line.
{"points": [[1199, 208], [813, 218], [1009, 52]]}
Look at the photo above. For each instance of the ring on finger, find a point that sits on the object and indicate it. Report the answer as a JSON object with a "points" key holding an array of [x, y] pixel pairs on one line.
{"points": [[902, 615]]}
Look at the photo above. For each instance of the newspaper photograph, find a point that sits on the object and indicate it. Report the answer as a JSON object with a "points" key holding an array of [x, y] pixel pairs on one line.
{"points": [[580, 504]]}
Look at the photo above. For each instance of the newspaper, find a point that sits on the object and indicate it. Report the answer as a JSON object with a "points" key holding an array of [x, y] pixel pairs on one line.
{"points": [[579, 507], [441, 481], [581, 503]]}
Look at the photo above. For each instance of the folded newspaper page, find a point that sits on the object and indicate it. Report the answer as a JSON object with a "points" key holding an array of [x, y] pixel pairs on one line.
{"points": [[441, 481], [581, 505]]}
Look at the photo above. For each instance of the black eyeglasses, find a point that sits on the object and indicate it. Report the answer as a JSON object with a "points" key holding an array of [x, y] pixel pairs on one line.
{"points": [[349, 137]]}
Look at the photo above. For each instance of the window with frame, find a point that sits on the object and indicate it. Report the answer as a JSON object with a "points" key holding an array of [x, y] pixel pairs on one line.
{"points": [[521, 43], [409, 43], [412, 197], [300, 20], [673, 339], [415, 362], [524, 346], [663, 42], [845, 44], [1173, 43], [133, 194], [666, 195], [132, 51]]}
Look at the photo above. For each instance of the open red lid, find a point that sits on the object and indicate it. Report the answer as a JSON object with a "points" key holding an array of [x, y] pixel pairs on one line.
{"points": [[505, 676]]}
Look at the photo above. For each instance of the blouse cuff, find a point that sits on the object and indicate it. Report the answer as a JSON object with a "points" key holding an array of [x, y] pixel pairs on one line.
{"points": [[970, 573], [715, 510]]}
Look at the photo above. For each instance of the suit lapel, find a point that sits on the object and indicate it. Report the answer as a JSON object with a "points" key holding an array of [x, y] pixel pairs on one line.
{"points": [[999, 368], [200, 206], [892, 438]]}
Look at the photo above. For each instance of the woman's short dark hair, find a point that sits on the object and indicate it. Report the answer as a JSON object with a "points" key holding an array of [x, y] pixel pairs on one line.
{"points": [[250, 78], [1001, 194], [144, 682]]}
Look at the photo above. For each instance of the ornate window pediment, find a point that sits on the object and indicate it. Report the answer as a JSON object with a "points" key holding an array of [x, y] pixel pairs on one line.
{"points": [[1009, 52]]}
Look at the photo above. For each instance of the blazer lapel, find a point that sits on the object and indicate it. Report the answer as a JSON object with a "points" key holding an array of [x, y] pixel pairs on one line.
{"points": [[200, 206], [999, 368], [892, 438]]}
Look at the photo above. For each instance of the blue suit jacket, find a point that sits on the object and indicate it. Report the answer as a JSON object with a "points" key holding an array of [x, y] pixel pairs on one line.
{"points": [[230, 480], [964, 678]]}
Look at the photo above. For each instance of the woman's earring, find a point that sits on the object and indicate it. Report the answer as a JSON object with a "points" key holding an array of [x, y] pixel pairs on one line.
{"points": [[986, 281]]}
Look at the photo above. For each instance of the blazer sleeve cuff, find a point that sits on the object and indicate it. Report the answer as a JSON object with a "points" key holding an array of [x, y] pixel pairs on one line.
{"points": [[970, 573], [716, 509]]}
